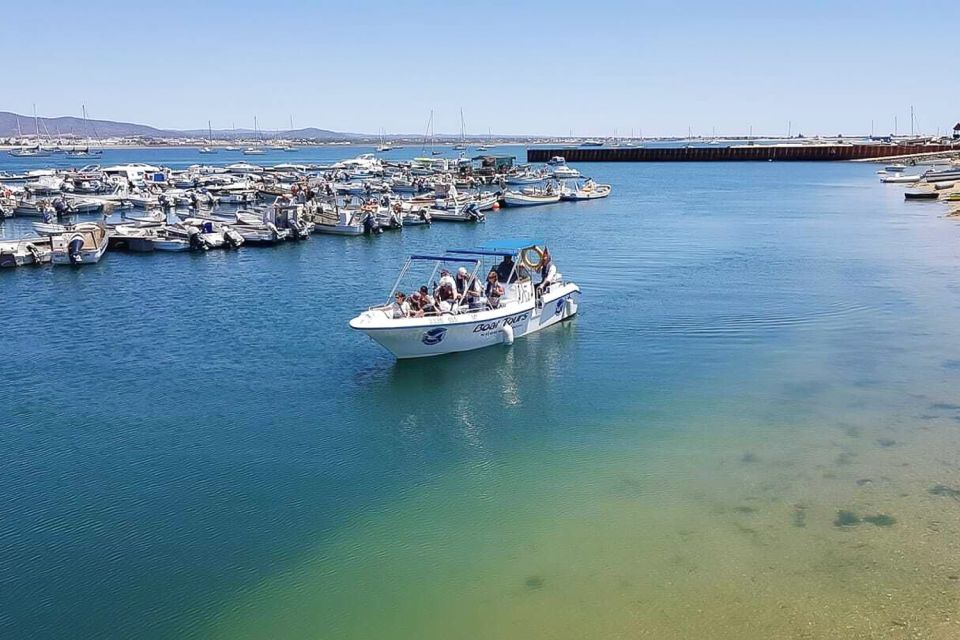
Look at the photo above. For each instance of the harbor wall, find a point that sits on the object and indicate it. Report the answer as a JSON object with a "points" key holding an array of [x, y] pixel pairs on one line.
{"points": [[758, 153]]}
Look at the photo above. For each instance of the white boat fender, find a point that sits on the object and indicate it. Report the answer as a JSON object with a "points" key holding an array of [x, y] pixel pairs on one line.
{"points": [[507, 334], [568, 307]]}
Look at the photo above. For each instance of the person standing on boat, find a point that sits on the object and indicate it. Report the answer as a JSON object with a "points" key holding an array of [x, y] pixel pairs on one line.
{"points": [[548, 274], [505, 270], [447, 279]]}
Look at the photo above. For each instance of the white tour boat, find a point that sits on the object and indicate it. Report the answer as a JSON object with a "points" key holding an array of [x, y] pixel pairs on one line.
{"points": [[449, 327]]}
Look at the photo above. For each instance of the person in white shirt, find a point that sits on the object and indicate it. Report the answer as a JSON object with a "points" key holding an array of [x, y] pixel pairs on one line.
{"points": [[400, 307]]}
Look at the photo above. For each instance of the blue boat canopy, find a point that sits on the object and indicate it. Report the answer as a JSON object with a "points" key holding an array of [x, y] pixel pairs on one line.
{"points": [[505, 247], [443, 258]]}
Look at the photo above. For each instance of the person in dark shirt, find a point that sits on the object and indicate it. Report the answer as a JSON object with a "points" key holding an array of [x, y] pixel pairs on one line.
{"points": [[505, 270]]}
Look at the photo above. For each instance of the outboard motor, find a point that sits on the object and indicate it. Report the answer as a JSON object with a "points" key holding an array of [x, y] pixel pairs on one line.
{"points": [[396, 222], [233, 237], [48, 216], [473, 212], [34, 251], [73, 249], [297, 230], [197, 242], [371, 226], [425, 216]]}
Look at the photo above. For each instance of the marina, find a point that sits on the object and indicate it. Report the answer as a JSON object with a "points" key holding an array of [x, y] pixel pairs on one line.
{"points": [[368, 321], [140, 207]]}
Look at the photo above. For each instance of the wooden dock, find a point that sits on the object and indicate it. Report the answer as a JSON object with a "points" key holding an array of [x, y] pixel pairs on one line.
{"points": [[744, 153]]}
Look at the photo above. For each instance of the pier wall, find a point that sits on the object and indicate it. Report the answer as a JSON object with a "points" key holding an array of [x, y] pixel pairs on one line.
{"points": [[758, 153]]}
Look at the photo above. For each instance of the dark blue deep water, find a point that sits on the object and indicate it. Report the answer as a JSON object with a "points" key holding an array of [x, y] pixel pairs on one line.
{"points": [[177, 430]]}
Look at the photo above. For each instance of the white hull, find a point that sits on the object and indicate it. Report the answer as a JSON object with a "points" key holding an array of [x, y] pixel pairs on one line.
{"points": [[339, 229], [514, 199], [438, 335]]}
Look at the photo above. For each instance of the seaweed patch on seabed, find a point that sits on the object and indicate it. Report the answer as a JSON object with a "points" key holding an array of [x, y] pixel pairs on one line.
{"points": [[886, 443], [850, 519], [749, 457], [944, 406], [799, 515], [944, 490], [533, 582]]}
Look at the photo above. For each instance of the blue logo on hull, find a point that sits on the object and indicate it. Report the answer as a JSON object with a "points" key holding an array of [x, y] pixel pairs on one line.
{"points": [[433, 336]]}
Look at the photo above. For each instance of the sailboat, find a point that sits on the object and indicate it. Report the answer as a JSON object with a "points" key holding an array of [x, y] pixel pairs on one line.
{"points": [[208, 148], [462, 146], [256, 150], [86, 152], [429, 137], [31, 152]]}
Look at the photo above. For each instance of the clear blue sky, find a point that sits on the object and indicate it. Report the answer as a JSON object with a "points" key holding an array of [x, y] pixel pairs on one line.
{"points": [[514, 67]]}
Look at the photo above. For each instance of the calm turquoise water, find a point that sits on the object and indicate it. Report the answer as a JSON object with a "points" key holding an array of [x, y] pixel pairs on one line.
{"points": [[197, 445]]}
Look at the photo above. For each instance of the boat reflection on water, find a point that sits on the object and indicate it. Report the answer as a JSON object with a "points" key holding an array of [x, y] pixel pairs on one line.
{"points": [[464, 393]]}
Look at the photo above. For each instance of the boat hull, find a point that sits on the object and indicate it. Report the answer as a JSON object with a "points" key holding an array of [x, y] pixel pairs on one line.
{"points": [[434, 336]]}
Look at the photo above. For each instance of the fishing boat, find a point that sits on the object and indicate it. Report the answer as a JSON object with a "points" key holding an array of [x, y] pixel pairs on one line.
{"points": [[85, 243], [895, 168], [531, 197], [170, 243], [453, 327], [468, 213], [921, 195], [589, 191]]}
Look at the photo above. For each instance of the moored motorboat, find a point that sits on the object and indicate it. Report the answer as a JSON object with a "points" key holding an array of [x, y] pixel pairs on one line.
{"points": [[900, 179], [85, 243], [17, 253], [589, 191], [531, 197], [921, 195], [497, 314]]}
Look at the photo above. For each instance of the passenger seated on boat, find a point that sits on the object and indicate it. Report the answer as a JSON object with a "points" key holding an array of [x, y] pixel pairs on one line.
{"points": [[446, 297], [427, 301], [505, 270], [494, 290], [472, 293], [400, 307]]}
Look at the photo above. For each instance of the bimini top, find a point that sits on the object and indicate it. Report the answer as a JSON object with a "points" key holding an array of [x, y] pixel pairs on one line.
{"points": [[505, 247]]}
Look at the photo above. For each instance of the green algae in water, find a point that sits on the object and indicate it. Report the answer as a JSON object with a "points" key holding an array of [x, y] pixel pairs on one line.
{"points": [[886, 443], [846, 519], [749, 457], [881, 520], [944, 490], [799, 516], [744, 509], [533, 582]]}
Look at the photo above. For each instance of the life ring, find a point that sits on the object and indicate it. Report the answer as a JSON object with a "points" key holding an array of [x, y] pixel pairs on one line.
{"points": [[525, 258]]}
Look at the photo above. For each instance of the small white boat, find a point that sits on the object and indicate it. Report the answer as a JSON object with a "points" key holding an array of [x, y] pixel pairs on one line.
{"points": [[589, 191], [530, 197], [563, 172], [556, 160], [206, 150], [899, 179], [253, 151], [452, 327], [895, 168], [524, 178], [85, 243]]}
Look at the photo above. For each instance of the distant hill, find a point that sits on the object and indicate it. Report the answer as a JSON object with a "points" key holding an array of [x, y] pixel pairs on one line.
{"points": [[69, 125]]}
